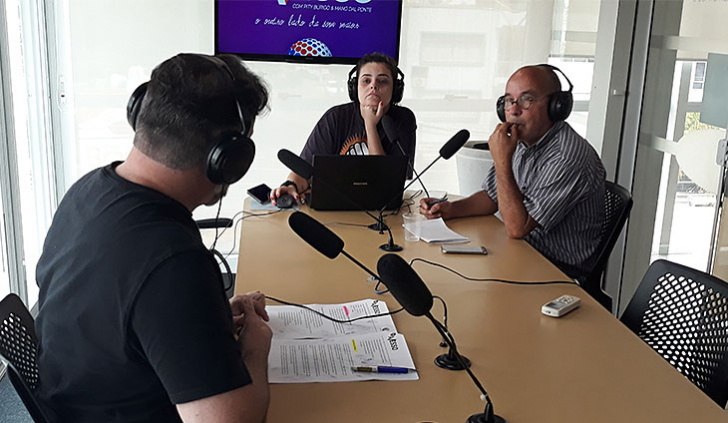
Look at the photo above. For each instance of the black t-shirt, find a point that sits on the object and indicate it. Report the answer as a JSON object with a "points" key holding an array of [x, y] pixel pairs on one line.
{"points": [[132, 313], [341, 130]]}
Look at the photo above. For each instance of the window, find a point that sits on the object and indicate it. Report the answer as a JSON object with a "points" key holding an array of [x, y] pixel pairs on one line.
{"points": [[27, 183], [456, 55], [699, 76]]}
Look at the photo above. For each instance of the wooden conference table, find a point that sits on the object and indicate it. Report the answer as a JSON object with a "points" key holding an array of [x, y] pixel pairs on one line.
{"points": [[583, 367]]}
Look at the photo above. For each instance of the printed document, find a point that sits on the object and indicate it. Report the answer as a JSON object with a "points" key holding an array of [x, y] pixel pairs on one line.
{"points": [[435, 231], [331, 359], [290, 322]]}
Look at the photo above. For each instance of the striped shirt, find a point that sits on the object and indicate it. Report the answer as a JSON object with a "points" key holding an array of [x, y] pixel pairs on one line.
{"points": [[561, 178]]}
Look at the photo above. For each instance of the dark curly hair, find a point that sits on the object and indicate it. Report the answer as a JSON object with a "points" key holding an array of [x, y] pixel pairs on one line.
{"points": [[378, 58]]}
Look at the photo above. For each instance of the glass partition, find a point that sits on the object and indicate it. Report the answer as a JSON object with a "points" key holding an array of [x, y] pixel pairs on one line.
{"points": [[677, 178], [456, 56]]}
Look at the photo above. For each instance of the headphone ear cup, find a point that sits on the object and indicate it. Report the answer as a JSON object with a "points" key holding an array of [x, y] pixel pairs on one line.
{"points": [[230, 159], [135, 104], [560, 105], [351, 85], [398, 89], [500, 108]]}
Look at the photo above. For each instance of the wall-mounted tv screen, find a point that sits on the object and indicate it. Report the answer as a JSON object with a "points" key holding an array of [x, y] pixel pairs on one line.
{"points": [[317, 31]]}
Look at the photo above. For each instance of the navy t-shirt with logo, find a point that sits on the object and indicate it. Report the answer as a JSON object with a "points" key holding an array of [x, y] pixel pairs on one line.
{"points": [[341, 130]]}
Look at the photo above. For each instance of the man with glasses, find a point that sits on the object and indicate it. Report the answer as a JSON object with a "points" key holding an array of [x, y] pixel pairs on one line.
{"points": [[547, 181]]}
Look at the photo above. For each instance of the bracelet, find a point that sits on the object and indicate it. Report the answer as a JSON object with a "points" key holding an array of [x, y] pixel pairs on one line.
{"points": [[290, 183]]}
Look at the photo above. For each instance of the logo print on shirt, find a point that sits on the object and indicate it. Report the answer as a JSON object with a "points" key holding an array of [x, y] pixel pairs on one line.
{"points": [[356, 145]]}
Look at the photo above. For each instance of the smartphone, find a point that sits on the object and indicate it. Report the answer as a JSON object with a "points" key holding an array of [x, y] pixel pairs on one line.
{"points": [[464, 249], [261, 193]]}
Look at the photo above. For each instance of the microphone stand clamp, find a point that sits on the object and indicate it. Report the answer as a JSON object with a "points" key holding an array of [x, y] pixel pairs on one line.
{"points": [[487, 416], [380, 226], [450, 362]]}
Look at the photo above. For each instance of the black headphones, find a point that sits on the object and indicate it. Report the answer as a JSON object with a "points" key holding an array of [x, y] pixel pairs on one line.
{"points": [[397, 91], [560, 102], [230, 157]]}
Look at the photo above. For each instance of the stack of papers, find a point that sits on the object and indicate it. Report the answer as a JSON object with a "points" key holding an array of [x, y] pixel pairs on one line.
{"points": [[309, 348], [435, 231]]}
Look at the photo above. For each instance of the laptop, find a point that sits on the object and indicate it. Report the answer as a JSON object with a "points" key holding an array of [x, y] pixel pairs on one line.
{"points": [[352, 182]]}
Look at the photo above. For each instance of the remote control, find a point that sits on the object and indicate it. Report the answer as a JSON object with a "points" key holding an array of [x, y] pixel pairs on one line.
{"points": [[561, 305]]}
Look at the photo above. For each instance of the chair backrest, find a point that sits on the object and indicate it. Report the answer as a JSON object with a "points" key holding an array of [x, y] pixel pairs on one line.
{"points": [[682, 313], [18, 347], [618, 204]]}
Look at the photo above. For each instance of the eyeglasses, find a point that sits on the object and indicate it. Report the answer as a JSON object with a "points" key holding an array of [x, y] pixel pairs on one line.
{"points": [[524, 101]]}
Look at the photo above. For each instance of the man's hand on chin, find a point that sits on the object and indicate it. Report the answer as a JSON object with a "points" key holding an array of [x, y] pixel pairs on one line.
{"points": [[503, 142]]}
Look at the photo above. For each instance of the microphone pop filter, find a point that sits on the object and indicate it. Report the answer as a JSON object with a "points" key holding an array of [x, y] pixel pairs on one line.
{"points": [[296, 164], [454, 144], [405, 284], [316, 234]]}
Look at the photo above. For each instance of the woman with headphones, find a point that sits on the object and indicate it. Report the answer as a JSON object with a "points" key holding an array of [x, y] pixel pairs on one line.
{"points": [[375, 87]]}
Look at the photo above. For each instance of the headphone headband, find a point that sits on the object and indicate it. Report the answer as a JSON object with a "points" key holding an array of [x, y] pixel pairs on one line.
{"points": [[225, 68], [230, 156], [555, 69], [560, 102]]}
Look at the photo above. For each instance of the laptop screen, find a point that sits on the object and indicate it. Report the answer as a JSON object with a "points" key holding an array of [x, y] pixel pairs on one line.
{"points": [[357, 182]]}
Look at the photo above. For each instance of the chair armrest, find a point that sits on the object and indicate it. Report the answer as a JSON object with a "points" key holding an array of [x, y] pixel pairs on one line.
{"points": [[220, 222]]}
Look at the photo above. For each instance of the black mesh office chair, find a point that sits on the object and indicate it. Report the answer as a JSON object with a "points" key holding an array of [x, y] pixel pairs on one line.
{"points": [[618, 203], [18, 346], [682, 314]]}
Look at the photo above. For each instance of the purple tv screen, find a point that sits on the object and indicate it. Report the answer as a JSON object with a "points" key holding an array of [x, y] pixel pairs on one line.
{"points": [[319, 31]]}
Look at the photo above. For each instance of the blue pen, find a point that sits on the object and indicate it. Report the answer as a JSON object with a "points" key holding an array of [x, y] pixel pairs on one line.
{"points": [[382, 369]]}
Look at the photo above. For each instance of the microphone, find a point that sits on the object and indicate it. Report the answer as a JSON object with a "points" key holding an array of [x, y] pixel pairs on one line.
{"points": [[393, 135], [405, 285], [323, 239], [453, 145], [296, 164], [304, 169], [411, 292], [315, 234]]}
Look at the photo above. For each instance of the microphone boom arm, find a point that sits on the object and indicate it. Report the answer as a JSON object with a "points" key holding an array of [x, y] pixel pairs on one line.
{"points": [[358, 263], [304, 169], [331, 187], [380, 225], [488, 415], [451, 343], [380, 221], [417, 175], [407, 186]]}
